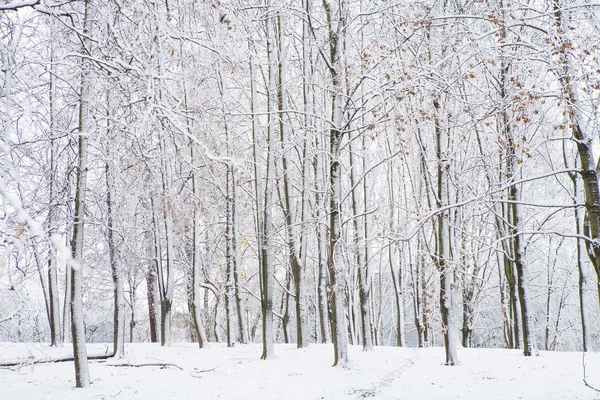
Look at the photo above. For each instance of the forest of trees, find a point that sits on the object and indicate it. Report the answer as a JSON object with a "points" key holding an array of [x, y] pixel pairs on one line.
{"points": [[368, 172]]}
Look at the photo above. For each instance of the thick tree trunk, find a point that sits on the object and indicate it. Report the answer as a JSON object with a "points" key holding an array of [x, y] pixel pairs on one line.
{"points": [[153, 302], [336, 259], [584, 139], [337, 269]]}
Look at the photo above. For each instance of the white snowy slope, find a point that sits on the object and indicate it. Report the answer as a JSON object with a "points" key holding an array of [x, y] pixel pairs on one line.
{"points": [[238, 373]]}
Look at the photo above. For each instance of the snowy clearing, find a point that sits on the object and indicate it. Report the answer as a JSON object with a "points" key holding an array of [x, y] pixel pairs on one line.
{"points": [[238, 373]]}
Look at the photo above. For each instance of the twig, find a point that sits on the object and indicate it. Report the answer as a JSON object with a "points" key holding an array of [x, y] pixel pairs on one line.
{"points": [[195, 372], [146, 365], [205, 370], [584, 380]]}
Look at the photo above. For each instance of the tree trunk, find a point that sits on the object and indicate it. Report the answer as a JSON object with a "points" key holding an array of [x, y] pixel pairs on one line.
{"points": [[585, 332], [153, 302], [360, 245], [529, 347], [267, 267], [336, 261], [322, 278], [132, 323], [239, 303], [82, 375], [196, 249], [117, 275], [66, 320], [515, 219], [583, 138], [418, 302], [447, 284], [294, 243], [56, 339], [229, 255], [337, 270]]}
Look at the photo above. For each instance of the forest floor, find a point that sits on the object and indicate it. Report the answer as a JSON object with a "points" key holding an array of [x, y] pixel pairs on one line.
{"points": [[238, 373]]}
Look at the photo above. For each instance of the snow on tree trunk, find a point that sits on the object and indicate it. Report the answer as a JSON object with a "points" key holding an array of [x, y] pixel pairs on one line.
{"points": [[580, 125], [82, 375], [267, 267], [446, 270], [53, 299]]}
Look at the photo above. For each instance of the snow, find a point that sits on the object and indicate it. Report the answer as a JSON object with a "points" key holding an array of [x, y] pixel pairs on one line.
{"points": [[238, 373]]}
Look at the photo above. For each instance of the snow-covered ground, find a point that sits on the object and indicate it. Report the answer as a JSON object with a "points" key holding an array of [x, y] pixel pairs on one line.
{"points": [[238, 373]]}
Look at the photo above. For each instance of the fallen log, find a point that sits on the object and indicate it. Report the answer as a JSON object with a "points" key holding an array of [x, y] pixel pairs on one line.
{"points": [[32, 360]]}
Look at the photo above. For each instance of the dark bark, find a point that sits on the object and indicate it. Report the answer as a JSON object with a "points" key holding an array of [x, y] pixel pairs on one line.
{"points": [[153, 304], [82, 375]]}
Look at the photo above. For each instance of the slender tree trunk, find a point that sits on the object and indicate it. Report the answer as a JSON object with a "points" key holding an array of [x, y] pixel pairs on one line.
{"points": [[196, 299], [165, 284], [263, 192], [417, 303], [66, 320], [447, 283], [360, 246], [322, 278], [132, 323], [515, 220], [53, 300], [82, 375], [267, 267], [294, 242], [239, 303], [285, 308], [167, 297], [229, 255], [529, 347], [395, 262], [115, 267], [41, 274], [196, 267], [585, 332]]}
